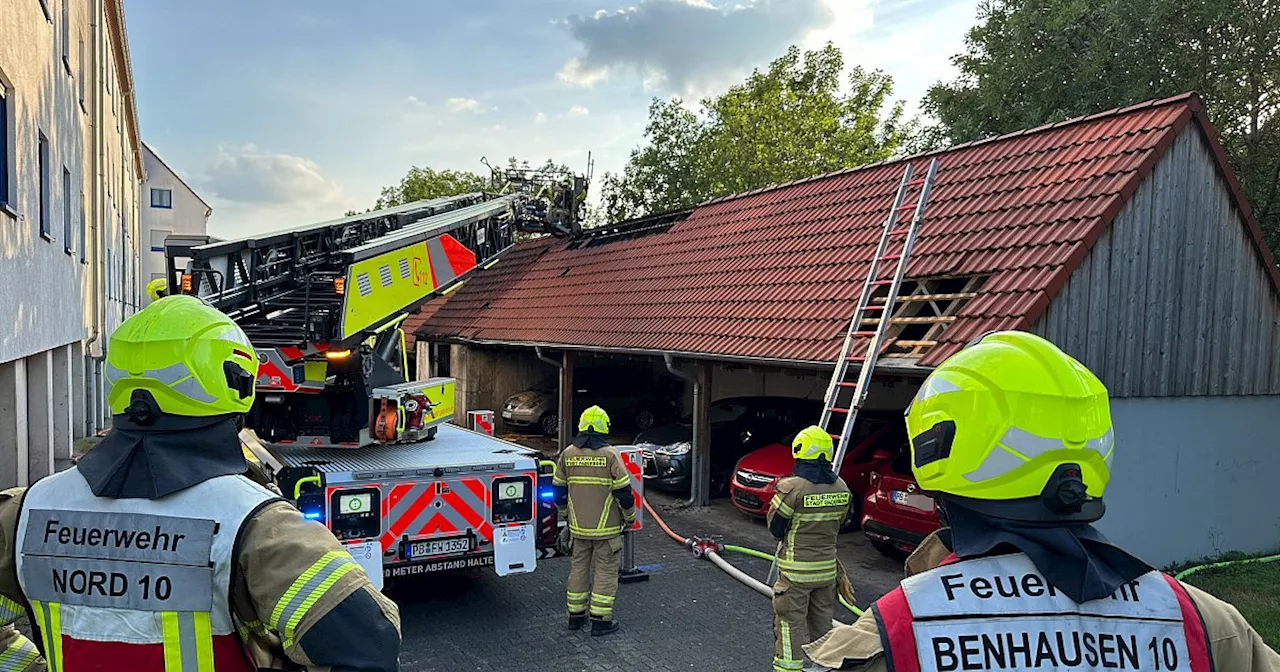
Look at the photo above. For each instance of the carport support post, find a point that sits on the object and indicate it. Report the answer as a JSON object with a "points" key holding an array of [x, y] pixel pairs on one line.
{"points": [[700, 453], [567, 421], [702, 438]]}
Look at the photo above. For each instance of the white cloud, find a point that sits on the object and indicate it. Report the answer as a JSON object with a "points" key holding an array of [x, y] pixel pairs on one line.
{"points": [[414, 101], [462, 104], [574, 72], [691, 46], [540, 118], [250, 175], [577, 111]]}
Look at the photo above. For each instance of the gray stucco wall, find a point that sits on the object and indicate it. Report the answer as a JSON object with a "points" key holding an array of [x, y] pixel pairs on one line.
{"points": [[1194, 477], [1173, 300]]}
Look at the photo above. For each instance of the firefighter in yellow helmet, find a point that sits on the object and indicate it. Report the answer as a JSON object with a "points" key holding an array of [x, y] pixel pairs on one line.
{"points": [[1013, 438], [806, 515], [169, 558], [157, 289], [592, 480]]}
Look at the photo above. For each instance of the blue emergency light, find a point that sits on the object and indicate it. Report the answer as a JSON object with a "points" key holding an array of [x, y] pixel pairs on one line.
{"points": [[547, 493]]}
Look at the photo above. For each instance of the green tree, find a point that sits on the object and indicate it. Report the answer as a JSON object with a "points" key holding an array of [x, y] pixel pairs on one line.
{"points": [[1030, 62], [788, 122], [423, 183]]}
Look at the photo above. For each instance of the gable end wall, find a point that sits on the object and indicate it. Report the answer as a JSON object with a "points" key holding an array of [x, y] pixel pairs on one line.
{"points": [[1173, 300]]}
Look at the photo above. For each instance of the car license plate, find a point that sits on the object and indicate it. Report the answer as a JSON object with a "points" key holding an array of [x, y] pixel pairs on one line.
{"points": [[426, 549], [922, 502], [506, 415]]}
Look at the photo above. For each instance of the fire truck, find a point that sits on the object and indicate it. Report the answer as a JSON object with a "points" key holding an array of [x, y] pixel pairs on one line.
{"points": [[339, 423]]}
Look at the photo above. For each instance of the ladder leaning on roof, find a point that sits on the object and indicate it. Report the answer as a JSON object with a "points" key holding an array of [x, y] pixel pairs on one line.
{"points": [[895, 246]]}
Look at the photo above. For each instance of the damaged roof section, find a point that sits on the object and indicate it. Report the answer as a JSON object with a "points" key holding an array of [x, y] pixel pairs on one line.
{"points": [[775, 274]]}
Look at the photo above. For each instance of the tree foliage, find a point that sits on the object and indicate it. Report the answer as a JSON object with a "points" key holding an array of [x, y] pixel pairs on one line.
{"points": [[425, 183], [788, 122], [1030, 62]]}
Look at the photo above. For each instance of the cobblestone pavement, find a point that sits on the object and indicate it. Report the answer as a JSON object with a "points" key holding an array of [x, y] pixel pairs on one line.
{"points": [[688, 616]]}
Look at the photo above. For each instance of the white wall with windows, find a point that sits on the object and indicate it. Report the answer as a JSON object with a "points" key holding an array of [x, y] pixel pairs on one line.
{"points": [[170, 207], [63, 146]]}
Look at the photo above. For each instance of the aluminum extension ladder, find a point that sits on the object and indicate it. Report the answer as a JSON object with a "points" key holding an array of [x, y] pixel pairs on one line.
{"points": [[895, 248]]}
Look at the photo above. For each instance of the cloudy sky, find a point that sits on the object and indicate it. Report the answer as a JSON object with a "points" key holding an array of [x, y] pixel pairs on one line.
{"points": [[292, 111]]}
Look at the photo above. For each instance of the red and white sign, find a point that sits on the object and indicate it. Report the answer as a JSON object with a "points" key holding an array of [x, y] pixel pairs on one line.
{"points": [[482, 421]]}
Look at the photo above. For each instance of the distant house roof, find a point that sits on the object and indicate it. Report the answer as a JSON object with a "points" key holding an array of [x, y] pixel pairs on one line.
{"points": [[774, 274], [208, 208]]}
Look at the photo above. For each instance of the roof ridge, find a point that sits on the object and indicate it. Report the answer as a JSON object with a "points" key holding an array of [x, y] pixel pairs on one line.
{"points": [[1192, 98]]}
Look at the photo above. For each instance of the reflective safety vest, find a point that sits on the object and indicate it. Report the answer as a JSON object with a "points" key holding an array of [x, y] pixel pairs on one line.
{"points": [[999, 613], [134, 584]]}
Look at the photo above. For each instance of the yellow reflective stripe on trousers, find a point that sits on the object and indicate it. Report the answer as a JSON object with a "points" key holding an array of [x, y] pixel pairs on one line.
{"points": [[20, 655], [601, 605], [10, 611], [577, 602], [786, 662], [49, 620], [188, 641], [807, 566], [308, 588]]}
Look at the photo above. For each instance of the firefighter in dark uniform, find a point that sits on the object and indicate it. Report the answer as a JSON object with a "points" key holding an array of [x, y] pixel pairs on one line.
{"points": [[592, 479], [155, 553], [806, 515], [1014, 439]]}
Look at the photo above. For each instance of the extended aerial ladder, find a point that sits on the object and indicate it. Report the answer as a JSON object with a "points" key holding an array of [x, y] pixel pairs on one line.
{"points": [[323, 304]]}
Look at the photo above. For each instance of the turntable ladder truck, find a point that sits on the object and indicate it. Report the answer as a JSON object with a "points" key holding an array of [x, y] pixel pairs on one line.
{"points": [[338, 424]]}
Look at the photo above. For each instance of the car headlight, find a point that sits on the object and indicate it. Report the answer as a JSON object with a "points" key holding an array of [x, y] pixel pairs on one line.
{"points": [[681, 448]]}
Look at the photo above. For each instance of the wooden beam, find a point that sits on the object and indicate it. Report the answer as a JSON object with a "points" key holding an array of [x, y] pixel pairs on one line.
{"points": [[957, 296], [914, 344]]}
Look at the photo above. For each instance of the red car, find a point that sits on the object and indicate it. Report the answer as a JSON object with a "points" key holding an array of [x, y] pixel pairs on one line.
{"points": [[896, 516], [758, 472]]}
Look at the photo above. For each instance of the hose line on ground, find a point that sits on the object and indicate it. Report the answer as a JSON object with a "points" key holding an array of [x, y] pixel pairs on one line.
{"points": [[1226, 563], [765, 556], [720, 562]]}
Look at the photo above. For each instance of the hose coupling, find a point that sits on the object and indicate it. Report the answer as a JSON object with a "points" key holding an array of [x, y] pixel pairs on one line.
{"points": [[704, 545]]}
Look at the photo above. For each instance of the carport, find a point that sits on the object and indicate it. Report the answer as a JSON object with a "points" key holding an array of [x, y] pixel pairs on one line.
{"points": [[1122, 237]]}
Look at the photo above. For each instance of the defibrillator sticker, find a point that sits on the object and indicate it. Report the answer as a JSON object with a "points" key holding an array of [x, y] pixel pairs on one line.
{"points": [[826, 499], [143, 586], [1010, 585], [1076, 643], [586, 461], [119, 536]]}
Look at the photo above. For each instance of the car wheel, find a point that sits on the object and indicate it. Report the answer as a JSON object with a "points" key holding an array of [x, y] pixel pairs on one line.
{"points": [[854, 519], [550, 424], [719, 485], [645, 419], [887, 549]]}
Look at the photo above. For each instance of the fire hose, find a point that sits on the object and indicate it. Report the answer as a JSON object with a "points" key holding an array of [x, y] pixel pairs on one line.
{"points": [[711, 551]]}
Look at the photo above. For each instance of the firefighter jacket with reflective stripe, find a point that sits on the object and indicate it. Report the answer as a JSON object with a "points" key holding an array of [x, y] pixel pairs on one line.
{"points": [[294, 592], [1191, 620], [592, 475], [814, 513], [143, 582]]}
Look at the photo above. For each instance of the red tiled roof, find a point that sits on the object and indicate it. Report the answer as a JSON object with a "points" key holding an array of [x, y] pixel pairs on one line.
{"points": [[775, 273]]}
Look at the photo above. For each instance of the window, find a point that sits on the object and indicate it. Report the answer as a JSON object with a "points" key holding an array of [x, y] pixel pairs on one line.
{"points": [[42, 166], [66, 210], [162, 198], [66, 35], [158, 237], [4, 146]]}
